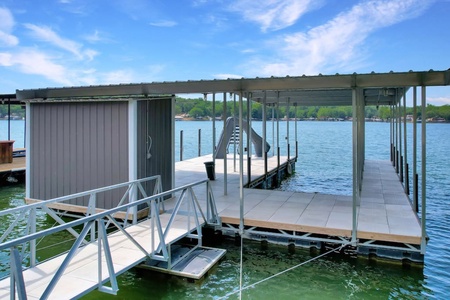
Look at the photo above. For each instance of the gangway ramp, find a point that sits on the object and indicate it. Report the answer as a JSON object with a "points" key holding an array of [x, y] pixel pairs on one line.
{"points": [[79, 271]]}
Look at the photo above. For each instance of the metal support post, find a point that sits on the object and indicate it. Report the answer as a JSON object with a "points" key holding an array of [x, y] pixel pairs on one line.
{"points": [[415, 186], [214, 127], [405, 142], [278, 132], [234, 133], [241, 168], [249, 139], [354, 163], [424, 165], [287, 129], [181, 145], [264, 134], [132, 152], [199, 142], [296, 133], [226, 138], [400, 135]]}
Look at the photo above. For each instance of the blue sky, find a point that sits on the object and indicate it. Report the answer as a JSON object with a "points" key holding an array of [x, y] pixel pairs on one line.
{"points": [[56, 43]]}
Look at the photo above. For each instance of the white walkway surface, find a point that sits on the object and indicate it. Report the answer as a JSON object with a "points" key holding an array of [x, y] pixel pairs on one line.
{"points": [[385, 213], [81, 276]]}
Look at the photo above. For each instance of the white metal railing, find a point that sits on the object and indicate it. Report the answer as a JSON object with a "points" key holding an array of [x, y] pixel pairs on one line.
{"points": [[27, 213], [161, 251]]}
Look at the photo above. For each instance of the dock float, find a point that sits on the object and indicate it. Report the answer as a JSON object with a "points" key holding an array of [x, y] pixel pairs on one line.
{"points": [[193, 264]]}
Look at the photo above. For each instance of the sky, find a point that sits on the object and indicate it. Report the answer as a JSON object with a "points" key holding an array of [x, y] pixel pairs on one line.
{"points": [[54, 43]]}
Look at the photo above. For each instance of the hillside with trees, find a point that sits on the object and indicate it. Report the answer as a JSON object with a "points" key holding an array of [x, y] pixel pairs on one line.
{"points": [[201, 109]]}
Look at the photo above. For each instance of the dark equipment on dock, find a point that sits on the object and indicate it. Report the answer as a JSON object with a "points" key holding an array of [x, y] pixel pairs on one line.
{"points": [[210, 170]]}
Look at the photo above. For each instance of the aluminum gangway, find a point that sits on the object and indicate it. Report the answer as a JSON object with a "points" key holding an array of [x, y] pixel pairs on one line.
{"points": [[97, 258]]}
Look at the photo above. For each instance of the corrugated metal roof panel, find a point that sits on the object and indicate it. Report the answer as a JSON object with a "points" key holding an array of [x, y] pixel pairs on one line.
{"points": [[303, 90]]}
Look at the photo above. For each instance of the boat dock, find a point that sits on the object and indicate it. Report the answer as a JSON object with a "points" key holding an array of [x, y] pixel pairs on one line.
{"points": [[127, 133], [387, 226], [385, 222]]}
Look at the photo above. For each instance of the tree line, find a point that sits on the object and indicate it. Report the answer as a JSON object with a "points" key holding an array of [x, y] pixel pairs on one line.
{"points": [[200, 109]]}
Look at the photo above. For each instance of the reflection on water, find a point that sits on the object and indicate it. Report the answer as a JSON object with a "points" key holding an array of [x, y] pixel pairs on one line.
{"points": [[333, 277]]}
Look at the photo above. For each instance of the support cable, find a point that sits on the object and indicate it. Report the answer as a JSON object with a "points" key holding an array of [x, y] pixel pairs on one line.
{"points": [[279, 273]]}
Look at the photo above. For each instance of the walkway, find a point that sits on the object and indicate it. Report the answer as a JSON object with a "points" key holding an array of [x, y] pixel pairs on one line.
{"points": [[385, 213], [77, 272], [81, 275]]}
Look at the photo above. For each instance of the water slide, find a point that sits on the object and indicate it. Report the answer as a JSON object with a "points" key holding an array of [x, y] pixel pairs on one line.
{"points": [[257, 140]]}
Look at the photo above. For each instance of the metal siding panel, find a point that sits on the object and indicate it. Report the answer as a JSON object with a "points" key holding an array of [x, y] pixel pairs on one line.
{"points": [[54, 144], [114, 163], [42, 147], [80, 175], [67, 150], [140, 165], [92, 147], [154, 119], [76, 147], [123, 143], [60, 152], [115, 142], [85, 162], [35, 167], [107, 159], [160, 130]]}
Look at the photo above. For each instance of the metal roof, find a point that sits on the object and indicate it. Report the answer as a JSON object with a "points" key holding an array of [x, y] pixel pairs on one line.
{"points": [[379, 88]]}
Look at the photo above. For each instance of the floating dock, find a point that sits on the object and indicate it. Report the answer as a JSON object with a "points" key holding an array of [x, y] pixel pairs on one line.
{"points": [[387, 226]]}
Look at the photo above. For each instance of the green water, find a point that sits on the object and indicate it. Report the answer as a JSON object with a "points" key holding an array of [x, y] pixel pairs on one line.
{"points": [[331, 277]]}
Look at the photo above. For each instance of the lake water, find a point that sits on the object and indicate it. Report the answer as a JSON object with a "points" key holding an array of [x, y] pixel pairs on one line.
{"points": [[324, 165]]}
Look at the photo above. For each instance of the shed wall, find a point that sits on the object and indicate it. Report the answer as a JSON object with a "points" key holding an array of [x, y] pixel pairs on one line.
{"points": [[76, 147], [155, 137]]}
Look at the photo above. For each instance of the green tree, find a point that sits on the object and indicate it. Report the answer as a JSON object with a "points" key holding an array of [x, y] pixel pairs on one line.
{"points": [[324, 112]]}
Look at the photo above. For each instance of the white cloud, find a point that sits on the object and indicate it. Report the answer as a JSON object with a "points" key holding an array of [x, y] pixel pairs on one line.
{"points": [[273, 15], [227, 76], [248, 50], [165, 23], [439, 100], [46, 34], [6, 26], [337, 44], [117, 76], [31, 61], [97, 37], [90, 54]]}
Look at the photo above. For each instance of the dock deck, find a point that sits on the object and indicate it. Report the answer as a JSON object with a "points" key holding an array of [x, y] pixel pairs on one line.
{"points": [[385, 213], [18, 164], [12, 172]]}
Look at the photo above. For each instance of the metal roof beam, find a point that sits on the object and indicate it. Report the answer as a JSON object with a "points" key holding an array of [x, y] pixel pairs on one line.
{"points": [[324, 83]]}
